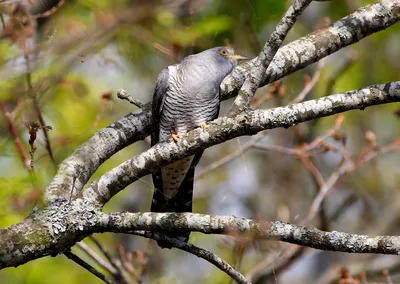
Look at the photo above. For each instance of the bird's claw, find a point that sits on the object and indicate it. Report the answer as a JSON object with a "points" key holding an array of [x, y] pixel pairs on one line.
{"points": [[203, 125], [176, 137]]}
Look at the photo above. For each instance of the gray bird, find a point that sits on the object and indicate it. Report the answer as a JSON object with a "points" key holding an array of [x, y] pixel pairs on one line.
{"points": [[186, 97]]}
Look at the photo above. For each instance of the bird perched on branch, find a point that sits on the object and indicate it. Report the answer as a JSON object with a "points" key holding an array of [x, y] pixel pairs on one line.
{"points": [[186, 97]]}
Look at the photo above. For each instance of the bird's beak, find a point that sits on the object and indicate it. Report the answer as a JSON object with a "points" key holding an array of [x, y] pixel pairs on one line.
{"points": [[237, 57]]}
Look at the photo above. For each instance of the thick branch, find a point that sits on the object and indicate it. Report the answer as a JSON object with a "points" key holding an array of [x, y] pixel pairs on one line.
{"points": [[310, 237], [79, 167], [225, 128], [319, 44], [74, 172], [55, 229]]}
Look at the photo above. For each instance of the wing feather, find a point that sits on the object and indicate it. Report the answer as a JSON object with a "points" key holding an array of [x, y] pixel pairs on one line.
{"points": [[158, 102]]}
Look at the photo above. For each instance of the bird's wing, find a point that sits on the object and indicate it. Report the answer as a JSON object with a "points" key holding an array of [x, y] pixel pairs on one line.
{"points": [[158, 102]]}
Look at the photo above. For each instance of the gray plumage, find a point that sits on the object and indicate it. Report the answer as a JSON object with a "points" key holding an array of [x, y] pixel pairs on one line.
{"points": [[186, 95]]}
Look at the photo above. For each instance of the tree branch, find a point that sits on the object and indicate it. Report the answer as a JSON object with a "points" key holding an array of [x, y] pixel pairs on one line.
{"points": [[257, 73], [88, 267], [310, 237], [202, 253], [52, 230], [64, 219], [80, 166], [94, 256], [225, 128]]}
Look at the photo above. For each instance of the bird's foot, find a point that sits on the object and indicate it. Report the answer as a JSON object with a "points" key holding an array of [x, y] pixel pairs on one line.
{"points": [[203, 125], [176, 137]]}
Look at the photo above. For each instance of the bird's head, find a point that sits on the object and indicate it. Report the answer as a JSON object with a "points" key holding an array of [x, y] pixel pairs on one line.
{"points": [[227, 54]]}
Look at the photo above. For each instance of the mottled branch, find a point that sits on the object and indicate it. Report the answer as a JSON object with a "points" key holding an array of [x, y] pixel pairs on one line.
{"points": [[226, 128], [310, 237], [53, 230]]}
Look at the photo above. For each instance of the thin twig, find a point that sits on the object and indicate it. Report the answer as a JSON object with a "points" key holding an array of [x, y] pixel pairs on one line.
{"points": [[14, 133], [145, 263], [258, 73], [118, 267], [50, 11], [93, 255], [310, 85], [124, 263], [103, 249], [276, 263], [319, 179], [88, 267], [164, 50], [347, 166], [277, 148], [123, 95], [202, 253], [2, 21], [277, 89], [32, 94], [230, 157], [386, 273]]}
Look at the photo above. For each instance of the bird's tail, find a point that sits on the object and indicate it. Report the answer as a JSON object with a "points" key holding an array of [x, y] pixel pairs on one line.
{"points": [[181, 202]]}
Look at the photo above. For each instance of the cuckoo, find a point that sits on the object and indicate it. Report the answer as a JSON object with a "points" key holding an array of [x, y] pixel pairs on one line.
{"points": [[186, 97]]}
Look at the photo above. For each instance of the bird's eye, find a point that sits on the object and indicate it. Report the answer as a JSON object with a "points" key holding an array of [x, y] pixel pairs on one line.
{"points": [[223, 52]]}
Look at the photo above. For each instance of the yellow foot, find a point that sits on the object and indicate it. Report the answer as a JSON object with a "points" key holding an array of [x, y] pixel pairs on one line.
{"points": [[176, 137], [203, 125]]}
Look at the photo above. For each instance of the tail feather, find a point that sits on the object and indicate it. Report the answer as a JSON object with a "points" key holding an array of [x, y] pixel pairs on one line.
{"points": [[181, 202]]}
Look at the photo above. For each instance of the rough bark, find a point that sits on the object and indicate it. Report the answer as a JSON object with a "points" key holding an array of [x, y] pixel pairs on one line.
{"points": [[64, 219], [80, 166]]}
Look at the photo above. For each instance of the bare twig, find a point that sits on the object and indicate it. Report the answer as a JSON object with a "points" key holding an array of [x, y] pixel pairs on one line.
{"points": [[310, 85], [347, 166], [50, 11], [258, 73], [103, 249], [319, 179], [125, 263], [33, 128], [88, 267], [43, 124], [202, 253], [328, 185], [123, 95], [277, 89], [230, 157], [386, 273], [93, 255], [277, 148], [164, 50], [3, 23], [276, 262], [225, 128], [14, 133], [111, 265]]}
